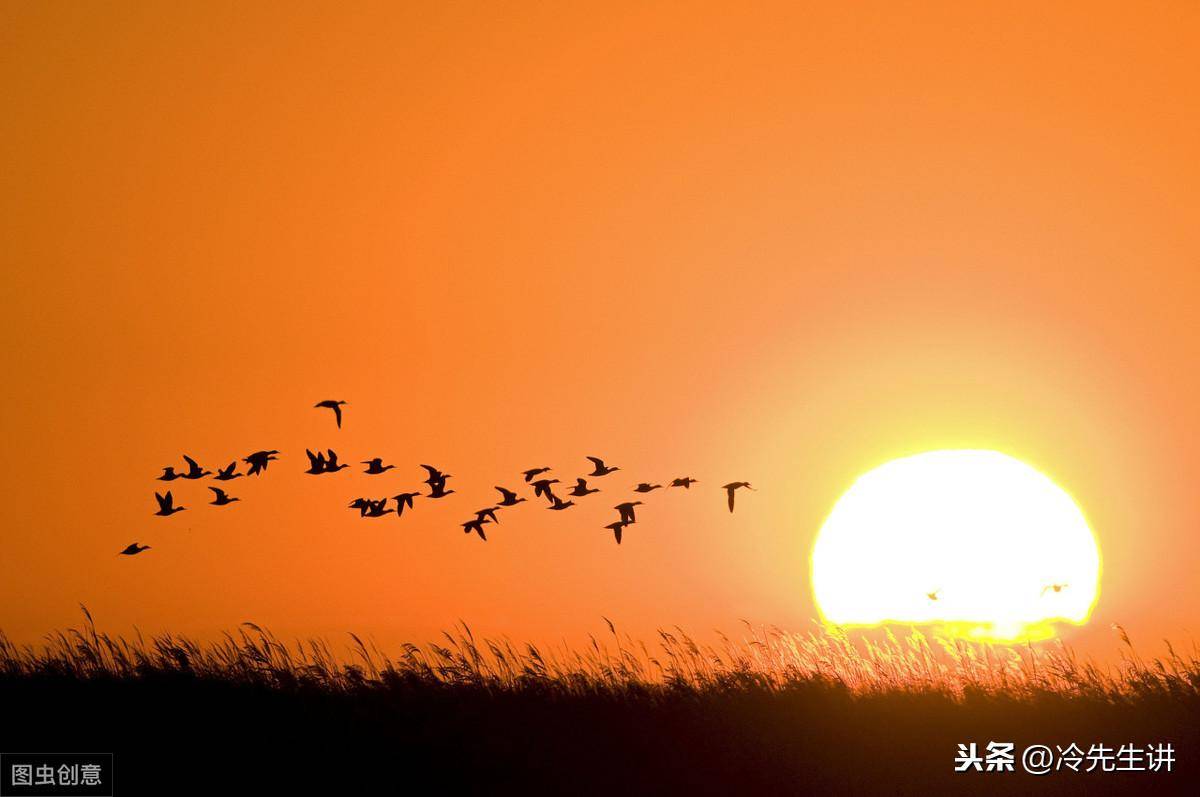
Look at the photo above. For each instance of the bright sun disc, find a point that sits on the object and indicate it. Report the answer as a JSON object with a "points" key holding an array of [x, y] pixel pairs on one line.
{"points": [[974, 542]]}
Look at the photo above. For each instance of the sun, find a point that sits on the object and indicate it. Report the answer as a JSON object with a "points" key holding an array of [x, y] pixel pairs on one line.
{"points": [[974, 542]]}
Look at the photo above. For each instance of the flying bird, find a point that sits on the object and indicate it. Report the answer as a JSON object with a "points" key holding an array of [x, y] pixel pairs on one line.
{"points": [[316, 463], [559, 503], [133, 549], [733, 487], [686, 482], [645, 487], [227, 473], [331, 464], [375, 466], [361, 504], [541, 487], [616, 528], [529, 474], [509, 497], [476, 526], [194, 470], [1055, 587], [258, 461], [166, 505], [169, 474], [489, 513], [376, 508], [601, 469], [336, 406], [581, 488], [626, 510], [404, 500], [933, 595], [221, 498]]}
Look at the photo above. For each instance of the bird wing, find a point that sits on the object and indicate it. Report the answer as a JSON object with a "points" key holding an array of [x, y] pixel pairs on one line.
{"points": [[730, 491], [337, 412]]}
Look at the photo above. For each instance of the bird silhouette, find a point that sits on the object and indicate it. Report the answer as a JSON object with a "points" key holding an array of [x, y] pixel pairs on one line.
{"points": [[169, 474], [133, 549], [376, 466], [560, 504], [645, 487], [626, 510], [316, 463], [529, 474], [376, 508], [331, 464], [509, 497], [581, 488], [686, 482], [489, 513], [617, 528], [1055, 587], [361, 504], [194, 470], [476, 526], [258, 461], [601, 469], [227, 473], [933, 595], [437, 482], [221, 498], [733, 487], [166, 505], [404, 500], [336, 406], [541, 487]]}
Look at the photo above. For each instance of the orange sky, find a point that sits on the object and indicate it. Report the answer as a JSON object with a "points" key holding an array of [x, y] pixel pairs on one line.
{"points": [[783, 243]]}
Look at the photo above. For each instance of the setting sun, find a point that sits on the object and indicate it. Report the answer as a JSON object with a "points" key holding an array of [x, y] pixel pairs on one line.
{"points": [[975, 542]]}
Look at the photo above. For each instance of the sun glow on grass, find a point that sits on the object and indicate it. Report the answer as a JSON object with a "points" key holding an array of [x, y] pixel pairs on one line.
{"points": [[976, 543]]}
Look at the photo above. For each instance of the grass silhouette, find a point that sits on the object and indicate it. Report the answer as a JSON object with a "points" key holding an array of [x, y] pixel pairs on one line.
{"points": [[770, 711]]}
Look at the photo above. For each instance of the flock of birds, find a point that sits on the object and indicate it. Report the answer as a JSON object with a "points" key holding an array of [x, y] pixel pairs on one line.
{"points": [[327, 462]]}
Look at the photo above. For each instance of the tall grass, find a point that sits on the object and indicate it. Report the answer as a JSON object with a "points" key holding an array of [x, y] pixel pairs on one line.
{"points": [[762, 658]]}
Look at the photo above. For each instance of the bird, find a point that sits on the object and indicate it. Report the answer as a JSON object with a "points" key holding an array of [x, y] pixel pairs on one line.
{"points": [[336, 406], [404, 500], [626, 510], [169, 474], [221, 498], [581, 488], [436, 477], [258, 461], [732, 487], [133, 549], [933, 595], [375, 466], [476, 526], [194, 470], [645, 487], [601, 469], [529, 474], [616, 528], [166, 505], [686, 482], [510, 498], [439, 491], [376, 508], [489, 513], [316, 463], [331, 464], [541, 487], [227, 473], [361, 504], [1055, 587], [559, 503]]}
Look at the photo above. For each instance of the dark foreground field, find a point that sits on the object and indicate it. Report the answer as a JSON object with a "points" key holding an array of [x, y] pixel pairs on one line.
{"points": [[773, 713]]}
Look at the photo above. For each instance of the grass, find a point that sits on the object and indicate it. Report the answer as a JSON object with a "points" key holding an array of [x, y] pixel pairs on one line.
{"points": [[770, 710]]}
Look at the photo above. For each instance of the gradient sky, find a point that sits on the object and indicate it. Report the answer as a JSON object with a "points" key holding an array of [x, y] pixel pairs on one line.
{"points": [[778, 242]]}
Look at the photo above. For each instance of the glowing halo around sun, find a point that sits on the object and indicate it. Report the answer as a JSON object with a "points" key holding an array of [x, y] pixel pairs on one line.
{"points": [[985, 534]]}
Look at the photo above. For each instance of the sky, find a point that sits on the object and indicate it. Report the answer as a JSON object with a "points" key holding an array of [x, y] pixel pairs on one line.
{"points": [[776, 242]]}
